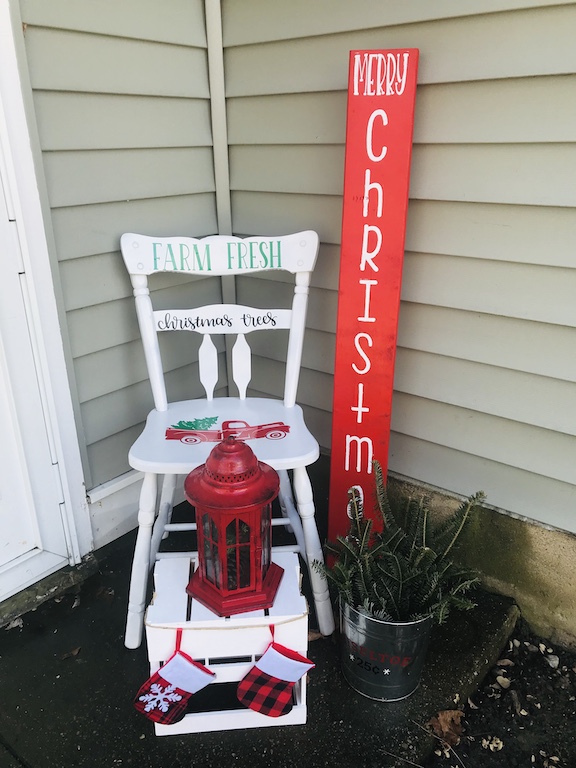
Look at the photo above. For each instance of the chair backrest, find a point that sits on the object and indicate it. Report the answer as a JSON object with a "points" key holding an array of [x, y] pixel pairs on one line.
{"points": [[220, 255]]}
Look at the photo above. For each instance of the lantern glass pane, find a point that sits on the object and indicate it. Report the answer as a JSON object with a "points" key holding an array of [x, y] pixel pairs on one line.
{"points": [[231, 564], [244, 554], [208, 564], [238, 555], [266, 541], [244, 532], [244, 557], [217, 567]]}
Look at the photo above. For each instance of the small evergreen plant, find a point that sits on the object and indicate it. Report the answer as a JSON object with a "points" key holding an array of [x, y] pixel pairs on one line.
{"points": [[405, 572]]}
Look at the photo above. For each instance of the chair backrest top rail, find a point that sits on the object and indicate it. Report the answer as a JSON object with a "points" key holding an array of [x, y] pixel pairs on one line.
{"points": [[219, 254]]}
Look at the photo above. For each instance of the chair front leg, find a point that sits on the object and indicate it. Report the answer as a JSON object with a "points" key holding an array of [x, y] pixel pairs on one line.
{"points": [[141, 562], [306, 510]]}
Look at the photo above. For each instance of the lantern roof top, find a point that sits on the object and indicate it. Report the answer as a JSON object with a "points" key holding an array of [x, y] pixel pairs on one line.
{"points": [[231, 478]]}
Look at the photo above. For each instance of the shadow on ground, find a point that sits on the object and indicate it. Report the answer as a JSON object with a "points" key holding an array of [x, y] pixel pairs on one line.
{"points": [[67, 685]]}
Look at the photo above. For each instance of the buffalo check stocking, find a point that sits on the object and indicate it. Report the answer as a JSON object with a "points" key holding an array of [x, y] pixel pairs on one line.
{"points": [[267, 688], [165, 695]]}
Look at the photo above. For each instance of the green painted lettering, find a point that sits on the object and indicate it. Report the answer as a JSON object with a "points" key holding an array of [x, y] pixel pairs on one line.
{"points": [[229, 248], [275, 256], [253, 264], [203, 262], [184, 256], [170, 257], [242, 254], [156, 257], [264, 259]]}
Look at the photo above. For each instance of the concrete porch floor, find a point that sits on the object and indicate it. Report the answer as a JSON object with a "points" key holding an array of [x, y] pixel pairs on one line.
{"points": [[67, 684]]}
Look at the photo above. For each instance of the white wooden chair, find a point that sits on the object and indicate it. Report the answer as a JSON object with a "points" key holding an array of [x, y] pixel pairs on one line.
{"points": [[178, 436]]}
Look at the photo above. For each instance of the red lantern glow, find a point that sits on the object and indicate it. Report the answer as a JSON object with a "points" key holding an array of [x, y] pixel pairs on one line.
{"points": [[233, 494]]}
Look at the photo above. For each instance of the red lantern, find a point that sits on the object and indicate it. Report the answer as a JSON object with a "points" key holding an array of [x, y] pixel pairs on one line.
{"points": [[233, 494]]}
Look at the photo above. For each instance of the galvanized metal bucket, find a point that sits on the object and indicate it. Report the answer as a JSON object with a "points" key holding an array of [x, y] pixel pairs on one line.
{"points": [[382, 660]]}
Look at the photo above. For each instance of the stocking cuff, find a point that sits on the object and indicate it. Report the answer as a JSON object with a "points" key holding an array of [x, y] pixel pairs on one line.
{"points": [[185, 674], [275, 663]]}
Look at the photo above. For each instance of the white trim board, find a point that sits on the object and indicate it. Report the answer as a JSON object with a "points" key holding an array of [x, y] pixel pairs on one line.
{"points": [[26, 203], [114, 507]]}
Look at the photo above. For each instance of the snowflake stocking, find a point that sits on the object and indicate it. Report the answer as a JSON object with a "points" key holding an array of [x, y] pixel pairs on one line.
{"points": [[267, 688], [165, 696]]}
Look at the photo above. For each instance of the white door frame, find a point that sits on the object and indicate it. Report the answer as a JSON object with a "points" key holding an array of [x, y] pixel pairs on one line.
{"points": [[24, 201]]}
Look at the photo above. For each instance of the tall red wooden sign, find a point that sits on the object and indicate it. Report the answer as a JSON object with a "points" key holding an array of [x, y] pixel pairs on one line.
{"points": [[381, 96]]}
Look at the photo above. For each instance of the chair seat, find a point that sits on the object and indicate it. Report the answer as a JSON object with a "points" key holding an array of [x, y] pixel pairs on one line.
{"points": [[179, 439]]}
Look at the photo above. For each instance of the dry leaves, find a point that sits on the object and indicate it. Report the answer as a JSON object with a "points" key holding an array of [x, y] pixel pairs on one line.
{"points": [[106, 594], [446, 725], [15, 624], [71, 654]]}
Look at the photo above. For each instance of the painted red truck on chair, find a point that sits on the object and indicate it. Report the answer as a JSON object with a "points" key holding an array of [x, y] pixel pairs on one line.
{"points": [[239, 429]]}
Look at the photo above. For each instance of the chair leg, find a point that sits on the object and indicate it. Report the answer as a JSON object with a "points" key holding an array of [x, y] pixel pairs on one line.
{"points": [[141, 562], [289, 510], [164, 515], [305, 502]]}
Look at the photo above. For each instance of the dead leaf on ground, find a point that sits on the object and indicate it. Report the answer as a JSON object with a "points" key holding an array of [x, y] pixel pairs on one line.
{"points": [[70, 654], [106, 594], [15, 624], [446, 725]]}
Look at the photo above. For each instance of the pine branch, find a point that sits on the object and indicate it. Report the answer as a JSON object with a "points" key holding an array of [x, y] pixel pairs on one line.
{"points": [[402, 573], [446, 535]]}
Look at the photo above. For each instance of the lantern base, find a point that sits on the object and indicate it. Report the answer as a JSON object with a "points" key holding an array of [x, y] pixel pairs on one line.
{"points": [[231, 604]]}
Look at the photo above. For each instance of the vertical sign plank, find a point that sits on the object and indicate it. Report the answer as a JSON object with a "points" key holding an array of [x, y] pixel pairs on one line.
{"points": [[381, 96]]}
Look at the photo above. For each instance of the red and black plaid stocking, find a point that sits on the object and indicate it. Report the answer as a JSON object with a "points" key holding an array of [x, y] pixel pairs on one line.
{"points": [[165, 695], [267, 688]]}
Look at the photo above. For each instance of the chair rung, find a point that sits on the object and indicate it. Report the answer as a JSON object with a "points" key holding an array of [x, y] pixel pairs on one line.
{"points": [[283, 548], [167, 555], [287, 548], [180, 527], [276, 521]]}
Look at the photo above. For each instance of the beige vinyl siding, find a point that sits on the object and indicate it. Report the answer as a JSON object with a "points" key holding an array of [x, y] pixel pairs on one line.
{"points": [[170, 21], [485, 387], [297, 19], [121, 100], [481, 46]]}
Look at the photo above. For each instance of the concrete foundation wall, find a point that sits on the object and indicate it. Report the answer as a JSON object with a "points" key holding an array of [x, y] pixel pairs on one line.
{"points": [[515, 557]]}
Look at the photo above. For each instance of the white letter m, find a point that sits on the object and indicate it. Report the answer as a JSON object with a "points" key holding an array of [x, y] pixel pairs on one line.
{"points": [[359, 441]]}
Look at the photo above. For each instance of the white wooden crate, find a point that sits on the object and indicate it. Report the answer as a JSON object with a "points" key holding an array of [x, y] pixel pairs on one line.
{"points": [[229, 646]]}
